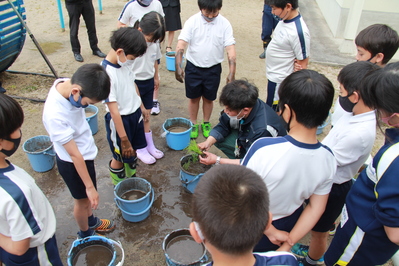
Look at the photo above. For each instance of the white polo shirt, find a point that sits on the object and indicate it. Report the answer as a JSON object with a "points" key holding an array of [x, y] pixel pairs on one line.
{"points": [[206, 40], [291, 40], [351, 140], [133, 11], [65, 122], [143, 66], [123, 89], [292, 171]]}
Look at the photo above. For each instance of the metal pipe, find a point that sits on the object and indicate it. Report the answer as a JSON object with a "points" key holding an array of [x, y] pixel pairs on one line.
{"points": [[61, 15]]}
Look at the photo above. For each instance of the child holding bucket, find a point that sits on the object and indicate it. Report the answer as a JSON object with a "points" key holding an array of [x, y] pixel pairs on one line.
{"points": [[65, 120], [230, 224], [125, 111], [28, 224], [145, 68]]}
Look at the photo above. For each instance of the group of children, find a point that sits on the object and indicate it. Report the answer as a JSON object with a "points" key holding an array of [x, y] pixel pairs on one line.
{"points": [[283, 172]]}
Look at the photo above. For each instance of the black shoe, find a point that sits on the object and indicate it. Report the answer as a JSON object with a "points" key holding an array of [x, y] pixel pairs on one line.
{"points": [[99, 54], [78, 57], [263, 55]]}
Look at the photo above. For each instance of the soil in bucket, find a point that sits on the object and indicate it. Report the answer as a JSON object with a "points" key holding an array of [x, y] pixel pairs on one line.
{"points": [[194, 167], [40, 145], [89, 112], [133, 194], [184, 249], [176, 128], [93, 255]]}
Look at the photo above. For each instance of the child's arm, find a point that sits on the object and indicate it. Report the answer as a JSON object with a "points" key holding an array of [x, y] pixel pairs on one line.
{"points": [[301, 64], [181, 46], [81, 168], [127, 150], [308, 219], [144, 111], [393, 234], [231, 55], [156, 75], [211, 159], [120, 24], [17, 248]]}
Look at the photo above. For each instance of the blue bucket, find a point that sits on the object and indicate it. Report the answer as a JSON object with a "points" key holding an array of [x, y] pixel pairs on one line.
{"points": [[134, 183], [40, 153], [200, 249], [189, 180], [92, 119], [79, 244], [171, 60], [177, 140], [136, 216]]}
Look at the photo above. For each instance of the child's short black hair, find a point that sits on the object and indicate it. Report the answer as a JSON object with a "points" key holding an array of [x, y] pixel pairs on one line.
{"points": [[309, 94], [379, 38], [11, 116], [231, 206], [152, 24], [210, 5], [131, 40], [94, 81], [352, 75], [239, 94], [283, 3]]}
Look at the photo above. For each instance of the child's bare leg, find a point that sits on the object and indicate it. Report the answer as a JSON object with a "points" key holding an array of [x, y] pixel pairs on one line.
{"points": [[318, 245], [207, 107], [171, 35], [116, 164], [147, 125], [82, 211], [193, 107]]}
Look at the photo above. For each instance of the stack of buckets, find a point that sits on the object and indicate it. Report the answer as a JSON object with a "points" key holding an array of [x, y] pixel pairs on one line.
{"points": [[134, 210]]}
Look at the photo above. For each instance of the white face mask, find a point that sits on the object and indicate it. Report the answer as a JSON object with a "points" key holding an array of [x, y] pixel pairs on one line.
{"points": [[128, 63], [234, 120]]}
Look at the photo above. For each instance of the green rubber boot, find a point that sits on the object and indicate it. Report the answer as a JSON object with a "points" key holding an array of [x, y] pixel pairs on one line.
{"points": [[130, 168], [117, 175]]}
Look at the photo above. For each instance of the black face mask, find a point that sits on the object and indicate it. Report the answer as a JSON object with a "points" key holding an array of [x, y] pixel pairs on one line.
{"points": [[287, 124], [346, 104], [16, 142]]}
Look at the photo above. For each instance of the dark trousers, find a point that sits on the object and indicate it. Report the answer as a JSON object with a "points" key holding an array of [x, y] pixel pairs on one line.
{"points": [[268, 23], [86, 9]]}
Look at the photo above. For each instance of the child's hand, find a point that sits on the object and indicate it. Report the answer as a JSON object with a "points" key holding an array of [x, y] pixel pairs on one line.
{"points": [[277, 237], [146, 114], [127, 150], [93, 197], [297, 66], [208, 158]]}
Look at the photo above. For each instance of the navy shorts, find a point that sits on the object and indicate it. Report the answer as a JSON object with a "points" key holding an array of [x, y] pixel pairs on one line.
{"points": [[336, 201], [202, 81], [72, 179], [146, 88], [134, 128], [31, 257], [285, 224]]}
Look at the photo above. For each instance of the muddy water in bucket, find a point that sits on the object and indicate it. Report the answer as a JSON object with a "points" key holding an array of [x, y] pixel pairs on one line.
{"points": [[94, 255], [133, 194], [178, 128]]}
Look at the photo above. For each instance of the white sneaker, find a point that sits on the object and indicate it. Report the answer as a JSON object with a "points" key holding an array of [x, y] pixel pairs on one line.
{"points": [[156, 108]]}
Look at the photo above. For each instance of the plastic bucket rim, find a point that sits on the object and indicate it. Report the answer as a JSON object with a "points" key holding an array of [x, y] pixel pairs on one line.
{"points": [[137, 213], [191, 181], [176, 262], [95, 113], [137, 200], [37, 152], [177, 133], [80, 241], [181, 167]]}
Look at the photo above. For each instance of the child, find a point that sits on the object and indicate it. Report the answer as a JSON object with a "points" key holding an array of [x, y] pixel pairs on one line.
{"points": [[229, 224], [377, 43], [369, 230], [351, 141], [204, 57], [295, 167], [152, 25], [65, 121], [27, 231], [125, 111], [290, 44], [132, 12]]}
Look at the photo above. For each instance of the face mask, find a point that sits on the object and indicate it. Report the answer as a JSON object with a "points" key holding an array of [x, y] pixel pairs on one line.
{"points": [[128, 63], [386, 120], [234, 120], [289, 121], [16, 142], [208, 19], [77, 103], [278, 18], [145, 2], [346, 104]]}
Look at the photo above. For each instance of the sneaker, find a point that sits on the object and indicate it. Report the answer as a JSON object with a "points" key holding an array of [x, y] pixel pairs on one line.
{"points": [[156, 108], [263, 55], [302, 251], [103, 225], [206, 129], [194, 131], [93, 234]]}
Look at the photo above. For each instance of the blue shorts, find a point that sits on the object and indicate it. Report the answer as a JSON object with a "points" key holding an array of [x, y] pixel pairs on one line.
{"points": [[134, 128], [285, 224], [72, 179], [336, 201], [202, 81], [49, 252], [146, 88]]}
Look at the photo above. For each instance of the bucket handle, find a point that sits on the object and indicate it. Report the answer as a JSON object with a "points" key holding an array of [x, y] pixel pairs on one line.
{"points": [[47, 153], [189, 182], [119, 245]]}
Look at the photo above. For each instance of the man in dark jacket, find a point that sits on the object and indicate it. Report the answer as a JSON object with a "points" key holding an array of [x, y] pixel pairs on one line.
{"points": [[245, 118]]}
